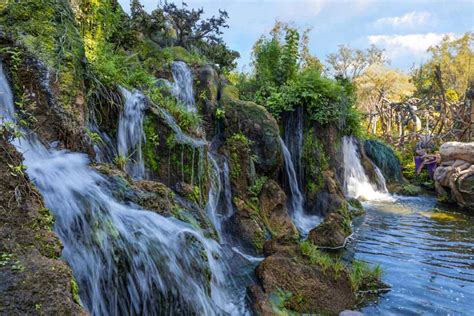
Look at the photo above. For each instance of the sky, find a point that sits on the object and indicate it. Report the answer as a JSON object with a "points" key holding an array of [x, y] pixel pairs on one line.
{"points": [[404, 28]]}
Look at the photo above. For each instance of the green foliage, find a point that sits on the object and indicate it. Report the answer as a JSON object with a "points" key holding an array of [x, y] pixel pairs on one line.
{"points": [[121, 161], [315, 256], [384, 157], [48, 30], [17, 171], [455, 60], [315, 161], [238, 145], [150, 146], [256, 188], [75, 291], [363, 277]]}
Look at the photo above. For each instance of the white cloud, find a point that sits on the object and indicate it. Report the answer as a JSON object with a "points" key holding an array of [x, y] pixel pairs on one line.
{"points": [[410, 19], [417, 44]]}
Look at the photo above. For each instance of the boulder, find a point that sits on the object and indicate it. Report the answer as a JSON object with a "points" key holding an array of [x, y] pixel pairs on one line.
{"points": [[293, 284], [34, 280], [258, 125], [454, 178], [273, 209], [457, 151], [332, 232]]}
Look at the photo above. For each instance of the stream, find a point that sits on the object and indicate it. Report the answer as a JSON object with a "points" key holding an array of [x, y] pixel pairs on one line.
{"points": [[427, 256]]}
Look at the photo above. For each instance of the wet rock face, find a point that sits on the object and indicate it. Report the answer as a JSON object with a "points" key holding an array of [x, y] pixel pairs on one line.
{"points": [[256, 124], [207, 90], [33, 279], [40, 94], [306, 287], [330, 198], [273, 208], [454, 177], [332, 232]]}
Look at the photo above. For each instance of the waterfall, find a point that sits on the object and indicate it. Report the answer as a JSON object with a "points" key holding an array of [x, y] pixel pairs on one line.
{"points": [[356, 182], [130, 133], [127, 261], [104, 147], [293, 138], [216, 211], [302, 221], [183, 84]]}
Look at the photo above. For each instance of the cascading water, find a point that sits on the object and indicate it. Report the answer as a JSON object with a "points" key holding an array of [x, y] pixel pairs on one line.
{"points": [[130, 133], [104, 147], [293, 138], [183, 84], [302, 221], [356, 182], [126, 260]]}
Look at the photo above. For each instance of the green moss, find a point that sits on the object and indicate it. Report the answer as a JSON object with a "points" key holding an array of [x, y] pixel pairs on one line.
{"points": [[239, 146], [258, 240], [385, 158], [75, 291], [315, 161], [48, 30]]}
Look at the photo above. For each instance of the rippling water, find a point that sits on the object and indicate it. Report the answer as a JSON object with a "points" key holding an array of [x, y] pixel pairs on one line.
{"points": [[427, 257]]}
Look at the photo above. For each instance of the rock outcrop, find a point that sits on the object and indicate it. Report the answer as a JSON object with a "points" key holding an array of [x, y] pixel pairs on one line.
{"points": [[454, 177], [34, 280]]}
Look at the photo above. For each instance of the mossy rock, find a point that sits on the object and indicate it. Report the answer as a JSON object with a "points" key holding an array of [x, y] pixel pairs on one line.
{"points": [[355, 208], [384, 157], [258, 125], [333, 231]]}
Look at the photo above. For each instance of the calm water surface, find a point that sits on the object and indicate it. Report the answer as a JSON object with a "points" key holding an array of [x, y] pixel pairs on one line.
{"points": [[427, 257]]}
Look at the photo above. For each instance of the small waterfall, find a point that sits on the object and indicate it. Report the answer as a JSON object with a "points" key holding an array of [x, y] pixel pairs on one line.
{"points": [[183, 84], [104, 147], [181, 137], [302, 221], [219, 212], [214, 195], [130, 133], [293, 138], [127, 261], [356, 182]]}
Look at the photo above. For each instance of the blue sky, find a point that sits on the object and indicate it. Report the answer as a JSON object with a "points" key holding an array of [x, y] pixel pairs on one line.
{"points": [[405, 28]]}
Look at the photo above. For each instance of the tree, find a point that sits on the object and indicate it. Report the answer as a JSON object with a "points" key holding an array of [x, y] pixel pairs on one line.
{"points": [[349, 63], [190, 28], [379, 90]]}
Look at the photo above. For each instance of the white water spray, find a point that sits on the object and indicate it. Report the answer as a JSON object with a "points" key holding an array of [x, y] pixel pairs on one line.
{"points": [[183, 84], [127, 261], [356, 183], [130, 135], [302, 221]]}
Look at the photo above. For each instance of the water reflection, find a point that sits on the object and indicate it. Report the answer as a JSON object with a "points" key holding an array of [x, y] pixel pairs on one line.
{"points": [[427, 256]]}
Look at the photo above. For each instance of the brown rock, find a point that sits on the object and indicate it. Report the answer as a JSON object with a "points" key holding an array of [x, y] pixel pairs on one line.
{"points": [[311, 290]]}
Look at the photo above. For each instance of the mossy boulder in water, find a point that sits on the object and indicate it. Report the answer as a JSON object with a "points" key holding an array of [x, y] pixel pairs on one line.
{"points": [[333, 231], [292, 282]]}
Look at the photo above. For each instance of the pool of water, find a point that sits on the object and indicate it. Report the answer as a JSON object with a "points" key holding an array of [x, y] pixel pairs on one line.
{"points": [[427, 257]]}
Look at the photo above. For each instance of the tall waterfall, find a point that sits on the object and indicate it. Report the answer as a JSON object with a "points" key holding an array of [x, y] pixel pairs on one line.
{"points": [[302, 221], [127, 261], [293, 138], [356, 182], [183, 84], [130, 133]]}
